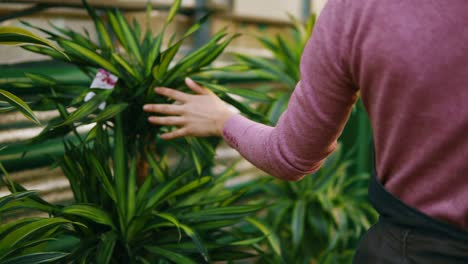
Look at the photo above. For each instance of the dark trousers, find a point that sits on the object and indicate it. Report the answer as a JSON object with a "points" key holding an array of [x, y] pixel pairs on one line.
{"points": [[404, 235]]}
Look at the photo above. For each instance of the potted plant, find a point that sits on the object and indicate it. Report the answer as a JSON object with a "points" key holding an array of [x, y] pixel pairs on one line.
{"points": [[179, 212]]}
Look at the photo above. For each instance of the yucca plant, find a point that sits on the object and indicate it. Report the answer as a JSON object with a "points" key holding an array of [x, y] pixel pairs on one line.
{"points": [[134, 202]]}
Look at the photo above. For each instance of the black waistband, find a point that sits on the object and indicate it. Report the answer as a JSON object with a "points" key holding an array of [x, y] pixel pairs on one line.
{"points": [[394, 210]]}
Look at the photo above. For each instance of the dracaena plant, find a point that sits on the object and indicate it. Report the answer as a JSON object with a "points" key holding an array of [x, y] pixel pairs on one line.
{"points": [[134, 201]]}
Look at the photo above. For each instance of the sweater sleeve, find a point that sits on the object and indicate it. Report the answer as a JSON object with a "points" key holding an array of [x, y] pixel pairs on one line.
{"points": [[320, 105]]}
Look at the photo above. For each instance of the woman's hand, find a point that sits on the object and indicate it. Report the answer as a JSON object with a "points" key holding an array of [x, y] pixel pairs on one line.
{"points": [[201, 114]]}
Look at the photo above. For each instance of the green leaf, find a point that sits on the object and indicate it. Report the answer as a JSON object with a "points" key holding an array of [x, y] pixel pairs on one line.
{"points": [[131, 184], [279, 106], [102, 176], [197, 59], [248, 242], [131, 43], [21, 234], [223, 213], [104, 37], [246, 93], [270, 234], [46, 51], [170, 255], [36, 258], [196, 161], [215, 224], [110, 112], [142, 193], [173, 12], [20, 105], [269, 67], [154, 52], [196, 239], [89, 212], [118, 31], [171, 219], [75, 37], [15, 196], [86, 109], [20, 36], [163, 191], [217, 51], [245, 109], [106, 247], [120, 165], [297, 223], [159, 71], [81, 52], [190, 186], [129, 69], [41, 79], [156, 167], [195, 27]]}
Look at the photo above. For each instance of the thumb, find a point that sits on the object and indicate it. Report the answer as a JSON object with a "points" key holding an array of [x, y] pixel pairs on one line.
{"points": [[195, 87]]}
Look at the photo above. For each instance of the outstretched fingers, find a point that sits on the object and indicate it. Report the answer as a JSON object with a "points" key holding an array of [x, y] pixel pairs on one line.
{"points": [[181, 132], [195, 86], [168, 109], [167, 120], [173, 94]]}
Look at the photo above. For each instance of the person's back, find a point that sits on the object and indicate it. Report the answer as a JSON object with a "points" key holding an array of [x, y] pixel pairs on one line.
{"points": [[410, 59]]}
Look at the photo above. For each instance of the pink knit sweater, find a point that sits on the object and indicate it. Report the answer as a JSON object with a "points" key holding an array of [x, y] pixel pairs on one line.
{"points": [[409, 61]]}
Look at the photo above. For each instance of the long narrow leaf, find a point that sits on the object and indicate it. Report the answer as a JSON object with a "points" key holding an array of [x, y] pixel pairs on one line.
{"points": [[22, 233], [272, 237], [20, 36], [190, 186], [154, 52], [170, 255], [103, 177], [222, 213], [36, 258], [104, 37], [86, 109], [89, 212], [120, 166], [110, 112], [82, 52], [106, 248], [15, 196], [173, 12], [197, 240], [131, 184], [20, 105], [297, 223], [129, 38]]}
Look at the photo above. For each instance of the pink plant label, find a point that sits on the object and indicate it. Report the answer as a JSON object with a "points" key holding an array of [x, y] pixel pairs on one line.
{"points": [[103, 80]]}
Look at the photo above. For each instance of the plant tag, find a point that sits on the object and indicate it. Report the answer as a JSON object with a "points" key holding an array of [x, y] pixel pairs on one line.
{"points": [[103, 80]]}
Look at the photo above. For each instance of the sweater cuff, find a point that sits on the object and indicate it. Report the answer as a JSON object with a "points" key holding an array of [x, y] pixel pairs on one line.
{"points": [[234, 128]]}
